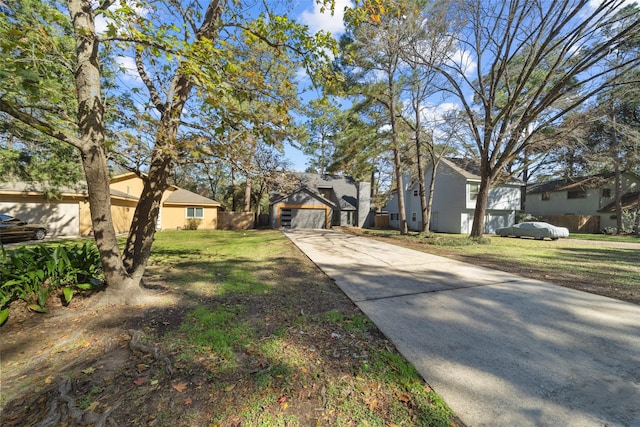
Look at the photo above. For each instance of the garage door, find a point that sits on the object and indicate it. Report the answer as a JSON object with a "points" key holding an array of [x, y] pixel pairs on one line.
{"points": [[60, 218], [303, 218]]}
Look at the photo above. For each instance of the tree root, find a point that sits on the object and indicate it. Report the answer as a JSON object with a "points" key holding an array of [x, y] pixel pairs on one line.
{"points": [[136, 345], [57, 414]]}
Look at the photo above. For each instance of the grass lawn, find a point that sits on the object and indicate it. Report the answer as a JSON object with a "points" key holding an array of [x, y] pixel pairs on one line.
{"points": [[244, 331], [599, 266]]}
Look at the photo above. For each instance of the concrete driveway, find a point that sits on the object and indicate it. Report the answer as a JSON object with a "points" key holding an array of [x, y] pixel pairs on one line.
{"points": [[502, 350]]}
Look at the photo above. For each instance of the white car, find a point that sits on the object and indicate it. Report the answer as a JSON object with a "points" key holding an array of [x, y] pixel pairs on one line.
{"points": [[537, 230]]}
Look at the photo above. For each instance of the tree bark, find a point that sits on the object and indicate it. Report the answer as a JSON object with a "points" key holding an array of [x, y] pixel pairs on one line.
{"points": [[402, 216], [486, 179], [138, 247], [94, 161], [432, 186]]}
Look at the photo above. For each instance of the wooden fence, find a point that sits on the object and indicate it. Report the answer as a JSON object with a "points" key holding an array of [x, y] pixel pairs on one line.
{"points": [[235, 220], [381, 221], [576, 223]]}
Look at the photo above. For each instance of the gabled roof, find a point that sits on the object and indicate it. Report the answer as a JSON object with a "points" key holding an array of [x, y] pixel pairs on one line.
{"points": [[575, 183], [344, 187], [280, 197], [186, 197], [470, 169], [629, 201]]}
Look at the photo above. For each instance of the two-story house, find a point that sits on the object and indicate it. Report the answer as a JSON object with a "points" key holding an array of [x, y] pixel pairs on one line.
{"points": [[322, 201], [457, 184], [592, 195]]}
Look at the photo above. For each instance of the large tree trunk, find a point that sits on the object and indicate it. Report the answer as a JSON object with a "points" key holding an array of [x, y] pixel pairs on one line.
{"points": [[432, 186], [138, 246], [422, 190], [477, 230], [618, 196], [94, 162], [247, 194], [402, 216], [486, 179]]}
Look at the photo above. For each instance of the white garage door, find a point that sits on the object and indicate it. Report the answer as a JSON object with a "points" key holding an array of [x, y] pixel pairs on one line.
{"points": [[62, 219]]}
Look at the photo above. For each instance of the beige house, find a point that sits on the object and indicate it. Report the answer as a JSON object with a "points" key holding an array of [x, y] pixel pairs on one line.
{"points": [[68, 213], [178, 208]]}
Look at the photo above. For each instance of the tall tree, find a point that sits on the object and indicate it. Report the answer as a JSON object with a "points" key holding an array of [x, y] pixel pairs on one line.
{"points": [[372, 48], [430, 37], [323, 131], [194, 51], [522, 65]]}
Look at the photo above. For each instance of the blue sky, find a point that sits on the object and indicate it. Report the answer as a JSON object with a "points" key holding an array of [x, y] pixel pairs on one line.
{"points": [[309, 13]]}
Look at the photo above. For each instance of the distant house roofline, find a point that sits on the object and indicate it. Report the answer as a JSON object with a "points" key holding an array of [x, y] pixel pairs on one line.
{"points": [[575, 183]]}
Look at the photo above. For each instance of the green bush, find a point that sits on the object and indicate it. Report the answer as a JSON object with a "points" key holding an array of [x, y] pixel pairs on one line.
{"points": [[34, 273], [192, 224]]}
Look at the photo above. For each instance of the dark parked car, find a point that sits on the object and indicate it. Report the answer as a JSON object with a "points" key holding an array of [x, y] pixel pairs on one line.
{"points": [[14, 230], [537, 230]]}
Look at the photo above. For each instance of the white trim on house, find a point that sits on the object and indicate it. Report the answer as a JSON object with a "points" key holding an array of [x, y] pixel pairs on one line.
{"points": [[453, 206]]}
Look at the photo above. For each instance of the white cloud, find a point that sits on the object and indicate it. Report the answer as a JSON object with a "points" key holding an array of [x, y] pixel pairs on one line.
{"points": [[128, 67], [318, 20], [463, 61], [101, 22], [433, 114]]}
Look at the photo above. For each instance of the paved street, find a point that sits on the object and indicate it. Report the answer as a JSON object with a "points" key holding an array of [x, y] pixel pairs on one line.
{"points": [[502, 350]]}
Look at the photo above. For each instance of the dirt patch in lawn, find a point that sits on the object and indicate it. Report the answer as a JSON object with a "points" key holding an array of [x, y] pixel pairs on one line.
{"points": [[81, 365]]}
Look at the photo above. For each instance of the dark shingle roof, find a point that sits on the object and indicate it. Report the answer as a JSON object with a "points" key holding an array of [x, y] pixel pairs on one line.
{"points": [[629, 201], [575, 183], [344, 187], [470, 169]]}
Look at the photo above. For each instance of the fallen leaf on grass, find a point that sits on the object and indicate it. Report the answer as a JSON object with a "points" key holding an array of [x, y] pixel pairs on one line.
{"points": [[282, 399], [284, 406], [188, 401], [403, 396], [139, 381], [180, 387], [89, 370]]}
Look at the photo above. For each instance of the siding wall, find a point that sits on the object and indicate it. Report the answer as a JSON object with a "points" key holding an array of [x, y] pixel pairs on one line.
{"points": [[175, 217]]}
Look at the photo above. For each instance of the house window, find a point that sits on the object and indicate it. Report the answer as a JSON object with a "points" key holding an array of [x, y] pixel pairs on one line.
{"points": [[606, 193], [415, 193], [325, 192], [577, 194], [393, 217], [414, 216], [474, 189], [195, 213], [546, 196], [351, 215]]}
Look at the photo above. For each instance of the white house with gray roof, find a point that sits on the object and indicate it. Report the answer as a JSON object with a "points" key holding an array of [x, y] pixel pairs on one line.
{"points": [[457, 183]]}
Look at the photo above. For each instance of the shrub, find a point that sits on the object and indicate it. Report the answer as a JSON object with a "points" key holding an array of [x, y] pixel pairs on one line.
{"points": [[33, 273], [192, 224]]}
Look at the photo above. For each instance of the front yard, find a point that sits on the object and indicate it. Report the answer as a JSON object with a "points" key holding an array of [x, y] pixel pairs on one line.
{"points": [[243, 331]]}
